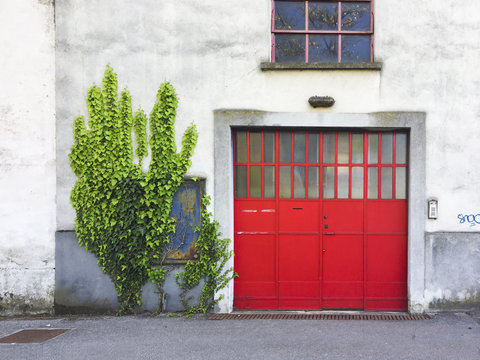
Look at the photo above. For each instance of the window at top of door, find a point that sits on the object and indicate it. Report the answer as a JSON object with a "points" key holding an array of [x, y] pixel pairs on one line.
{"points": [[322, 31]]}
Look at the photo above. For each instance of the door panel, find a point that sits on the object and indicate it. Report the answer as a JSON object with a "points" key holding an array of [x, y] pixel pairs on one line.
{"points": [[343, 271], [386, 216], [386, 272], [298, 272], [256, 258], [343, 216], [298, 216], [255, 216], [343, 254]]}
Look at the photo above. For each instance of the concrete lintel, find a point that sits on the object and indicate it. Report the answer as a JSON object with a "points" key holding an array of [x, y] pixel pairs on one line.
{"points": [[225, 120]]}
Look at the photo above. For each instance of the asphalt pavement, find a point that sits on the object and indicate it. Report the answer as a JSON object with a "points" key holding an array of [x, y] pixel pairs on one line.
{"points": [[445, 336]]}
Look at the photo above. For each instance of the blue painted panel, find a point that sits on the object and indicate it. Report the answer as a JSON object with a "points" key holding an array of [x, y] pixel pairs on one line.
{"points": [[186, 210]]}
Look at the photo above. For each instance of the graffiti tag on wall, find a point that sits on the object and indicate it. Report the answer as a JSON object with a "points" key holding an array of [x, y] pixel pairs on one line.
{"points": [[472, 219]]}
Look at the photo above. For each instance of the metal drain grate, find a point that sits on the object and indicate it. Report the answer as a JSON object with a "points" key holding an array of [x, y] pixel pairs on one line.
{"points": [[266, 316], [31, 336]]}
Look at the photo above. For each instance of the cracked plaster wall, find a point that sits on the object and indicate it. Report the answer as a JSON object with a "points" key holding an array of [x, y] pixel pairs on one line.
{"points": [[452, 263], [27, 156]]}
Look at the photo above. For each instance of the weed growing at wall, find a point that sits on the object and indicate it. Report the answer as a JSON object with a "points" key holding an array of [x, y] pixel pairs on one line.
{"points": [[213, 256], [122, 213]]}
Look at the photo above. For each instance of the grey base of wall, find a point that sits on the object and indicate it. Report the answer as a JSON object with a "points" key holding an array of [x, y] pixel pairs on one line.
{"points": [[452, 270], [452, 277], [82, 288]]}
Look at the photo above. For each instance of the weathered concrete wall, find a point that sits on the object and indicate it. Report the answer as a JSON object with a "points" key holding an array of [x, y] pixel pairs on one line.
{"points": [[82, 287], [452, 277], [211, 51], [27, 156]]}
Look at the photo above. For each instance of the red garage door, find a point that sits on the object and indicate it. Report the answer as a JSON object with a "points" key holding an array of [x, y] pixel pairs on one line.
{"points": [[320, 219]]}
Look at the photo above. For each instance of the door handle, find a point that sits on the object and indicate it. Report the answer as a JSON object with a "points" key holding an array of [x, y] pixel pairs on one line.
{"points": [[329, 233]]}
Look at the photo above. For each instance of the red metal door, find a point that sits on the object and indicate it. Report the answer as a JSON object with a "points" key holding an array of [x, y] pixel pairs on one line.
{"points": [[297, 247]]}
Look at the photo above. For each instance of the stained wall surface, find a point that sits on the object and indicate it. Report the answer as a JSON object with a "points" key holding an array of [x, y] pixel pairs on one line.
{"points": [[27, 156], [211, 51]]}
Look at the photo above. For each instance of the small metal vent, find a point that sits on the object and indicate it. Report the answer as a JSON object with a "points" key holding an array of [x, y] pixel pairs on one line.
{"points": [[275, 316], [31, 336]]}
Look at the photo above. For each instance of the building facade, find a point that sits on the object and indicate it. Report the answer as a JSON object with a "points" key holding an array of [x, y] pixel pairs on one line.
{"points": [[371, 203]]}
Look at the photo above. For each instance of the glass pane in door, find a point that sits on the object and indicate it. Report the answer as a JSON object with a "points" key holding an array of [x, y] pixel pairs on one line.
{"points": [[329, 148], [313, 148], [328, 182], [284, 182], [299, 182], [299, 147], [357, 148], [255, 147], [240, 181], [285, 147], [387, 148], [269, 147], [269, 182], [241, 146], [373, 148], [313, 184], [255, 182], [343, 145]]}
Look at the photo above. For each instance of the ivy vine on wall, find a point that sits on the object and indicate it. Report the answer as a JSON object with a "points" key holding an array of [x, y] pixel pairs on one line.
{"points": [[122, 213], [214, 254]]}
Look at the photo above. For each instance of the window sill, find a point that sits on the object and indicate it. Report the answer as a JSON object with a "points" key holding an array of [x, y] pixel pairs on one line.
{"points": [[270, 66]]}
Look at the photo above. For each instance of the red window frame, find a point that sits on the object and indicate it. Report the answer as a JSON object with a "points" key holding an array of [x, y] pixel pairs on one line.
{"points": [[321, 165], [338, 32]]}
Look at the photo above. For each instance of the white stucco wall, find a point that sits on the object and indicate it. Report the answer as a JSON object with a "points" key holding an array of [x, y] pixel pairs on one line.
{"points": [[27, 156], [211, 52]]}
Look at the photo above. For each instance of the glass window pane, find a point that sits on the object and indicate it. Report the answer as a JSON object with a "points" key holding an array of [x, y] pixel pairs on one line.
{"points": [[373, 148], [357, 182], [342, 182], [401, 148], [284, 182], [255, 146], [387, 148], [313, 184], [289, 15], [328, 182], [299, 146], [299, 182], [322, 16], [343, 145], [356, 16], [285, 147], [386, 185], [401, 183], [356, 48], [289, 48], [241, 146], [357, 148], [269, 146], [372, 183], [329, 148], [255, 182], [269, 182], [323, 48], [313, 148], [240, 181]]}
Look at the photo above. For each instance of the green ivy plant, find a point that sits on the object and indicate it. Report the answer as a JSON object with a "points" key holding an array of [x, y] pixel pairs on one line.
{"points": [[214, 253], [122, 212]]}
